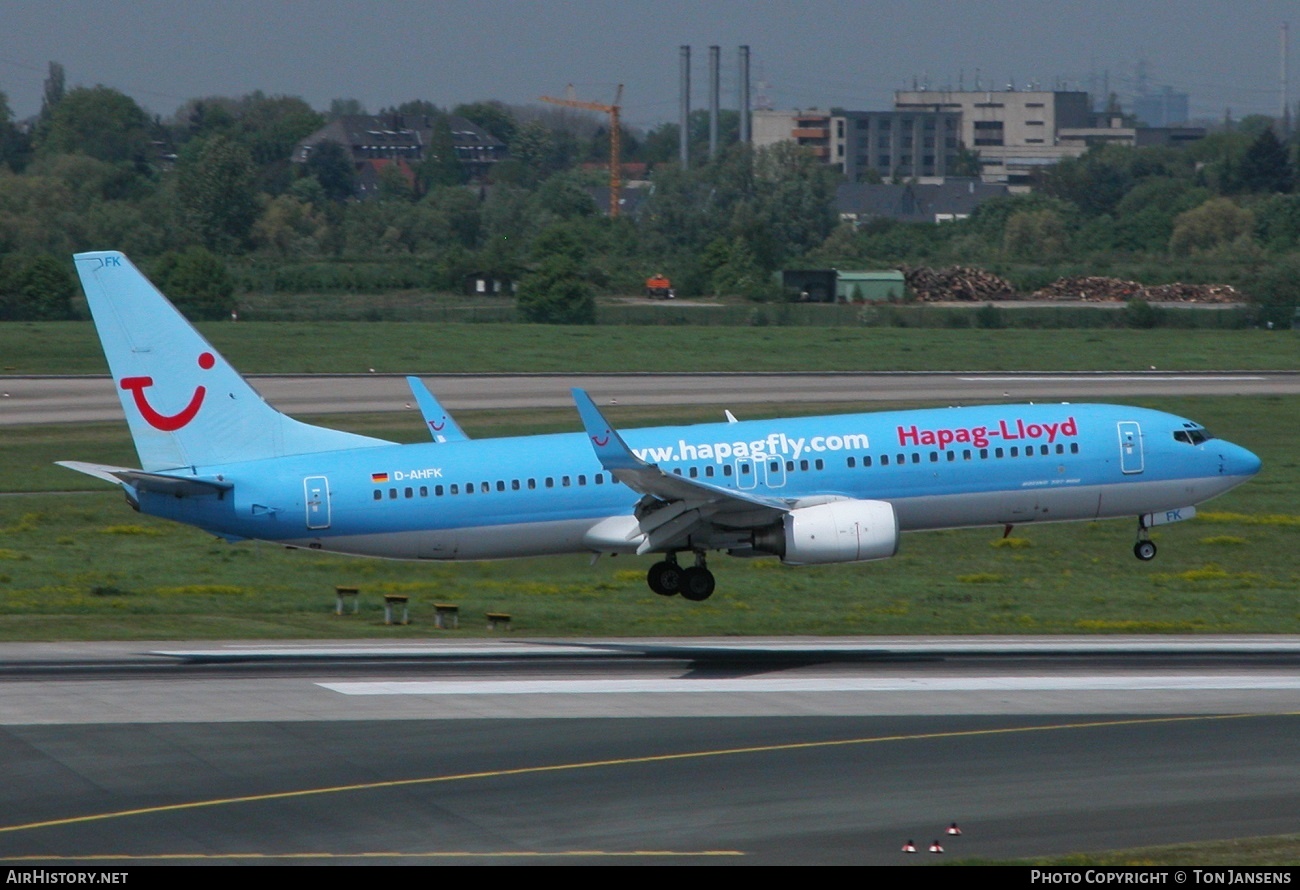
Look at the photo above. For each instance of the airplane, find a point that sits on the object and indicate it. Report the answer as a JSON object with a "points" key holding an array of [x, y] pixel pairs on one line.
{"points": [[806, 490]]}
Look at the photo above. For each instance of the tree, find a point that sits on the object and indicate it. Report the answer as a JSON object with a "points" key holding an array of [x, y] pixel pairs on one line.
{"points": [[1034, 235], [555, 293], [99, 122], [197, 282], [217, 193], [1216, 222], [14, 146], [330, 164], [1266, 166], [35, 288], [491, 116]]}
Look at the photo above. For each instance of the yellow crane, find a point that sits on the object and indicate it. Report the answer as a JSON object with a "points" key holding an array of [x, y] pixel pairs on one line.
{"points": [[615, 139]]}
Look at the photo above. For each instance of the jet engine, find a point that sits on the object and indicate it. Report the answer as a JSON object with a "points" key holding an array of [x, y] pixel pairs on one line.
{"points": [[839, 531]]}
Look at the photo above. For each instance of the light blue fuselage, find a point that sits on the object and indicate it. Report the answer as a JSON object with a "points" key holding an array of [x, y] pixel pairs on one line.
{"points": [[939, 468]]}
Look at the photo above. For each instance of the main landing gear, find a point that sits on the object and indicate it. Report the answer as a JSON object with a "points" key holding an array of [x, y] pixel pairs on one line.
{"points": [[1145, 548], [695, 583]]}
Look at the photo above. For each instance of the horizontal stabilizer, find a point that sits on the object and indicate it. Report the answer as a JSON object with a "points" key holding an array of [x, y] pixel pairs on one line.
{"points": [[163, 483]]}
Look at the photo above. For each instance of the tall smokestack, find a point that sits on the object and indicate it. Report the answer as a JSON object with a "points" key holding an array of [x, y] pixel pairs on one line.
{"points": [[684, 101], [1284, 119], [715, 57], [744, 95]]}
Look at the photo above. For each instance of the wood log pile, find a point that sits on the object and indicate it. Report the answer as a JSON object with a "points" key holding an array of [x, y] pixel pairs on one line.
{"points": [[969, 284], [1097, 289], [963, 283]]}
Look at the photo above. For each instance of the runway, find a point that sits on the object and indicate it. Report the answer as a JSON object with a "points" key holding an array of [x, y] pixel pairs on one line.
{"points": [[719, 751], [33, 400]]}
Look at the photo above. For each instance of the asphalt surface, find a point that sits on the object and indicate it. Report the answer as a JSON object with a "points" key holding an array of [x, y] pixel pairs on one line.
{"points": [[718, 751], [33, 400]]}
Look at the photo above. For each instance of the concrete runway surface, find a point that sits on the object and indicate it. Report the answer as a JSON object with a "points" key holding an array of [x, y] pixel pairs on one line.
{"points": [[32, 400], [681, 751]]}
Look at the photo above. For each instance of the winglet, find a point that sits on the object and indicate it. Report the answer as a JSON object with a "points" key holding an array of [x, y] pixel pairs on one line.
{"points": [[611, 450], [440, 423]]}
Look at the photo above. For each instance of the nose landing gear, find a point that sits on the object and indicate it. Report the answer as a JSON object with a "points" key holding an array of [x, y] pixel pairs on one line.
{"points": [[1145, 548]]}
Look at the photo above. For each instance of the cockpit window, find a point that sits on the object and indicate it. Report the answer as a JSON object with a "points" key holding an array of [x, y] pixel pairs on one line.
{"points": [[1192, 435]]}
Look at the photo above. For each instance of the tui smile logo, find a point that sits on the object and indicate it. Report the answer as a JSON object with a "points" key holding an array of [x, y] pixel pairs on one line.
{"points": [[601, 443], [168, 423]]}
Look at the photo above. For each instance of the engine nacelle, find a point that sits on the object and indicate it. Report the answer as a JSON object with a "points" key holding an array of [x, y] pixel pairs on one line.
{"points": [[839, 531]]}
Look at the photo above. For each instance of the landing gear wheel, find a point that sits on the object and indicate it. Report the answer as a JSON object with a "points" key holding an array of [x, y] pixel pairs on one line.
{"points": [[697, 584], [665, 578], [1144, 550]]}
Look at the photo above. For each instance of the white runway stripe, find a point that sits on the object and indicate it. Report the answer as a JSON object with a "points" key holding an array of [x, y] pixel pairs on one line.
{"points": [[821, 684]]}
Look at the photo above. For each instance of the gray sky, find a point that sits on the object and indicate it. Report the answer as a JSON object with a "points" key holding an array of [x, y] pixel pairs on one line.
{"points": [[817, 53]]}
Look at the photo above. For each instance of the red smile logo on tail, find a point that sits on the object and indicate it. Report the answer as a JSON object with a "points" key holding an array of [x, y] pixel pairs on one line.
{"points": [[168, 423]]}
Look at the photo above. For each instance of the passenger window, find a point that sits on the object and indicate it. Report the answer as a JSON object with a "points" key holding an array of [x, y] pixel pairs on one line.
{"points": [[952, 456], [1015, 451], [532, 484], [866, 460], [600, 478], [392, 494], [1074, 447], [550, 481], [803, 465], [409, 493], [455, 489], [997, 452], [726, 470], [852, 463], [965, 454], [694, 472], [984, 453], [564, 480], [916, 459], [437, 491], [582, 480], [884, 460], [708, 471], [501, 485], [514, 484], [424, 491], [379, 495]]}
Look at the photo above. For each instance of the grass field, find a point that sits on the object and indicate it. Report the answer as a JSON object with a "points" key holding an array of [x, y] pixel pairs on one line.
{"points": [[82, 565], [338, 347]]}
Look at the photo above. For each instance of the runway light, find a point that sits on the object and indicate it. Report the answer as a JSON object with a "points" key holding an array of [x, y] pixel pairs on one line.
{"points": [[954, 830], [935, 848], [909, 847]]}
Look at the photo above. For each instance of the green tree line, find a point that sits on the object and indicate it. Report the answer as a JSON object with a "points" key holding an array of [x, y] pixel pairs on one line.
{"points": [[212, 187]]}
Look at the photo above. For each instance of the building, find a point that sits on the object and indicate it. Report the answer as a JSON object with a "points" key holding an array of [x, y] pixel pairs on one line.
{"points": [[1017, 133], [405, 140], [865, 145]]}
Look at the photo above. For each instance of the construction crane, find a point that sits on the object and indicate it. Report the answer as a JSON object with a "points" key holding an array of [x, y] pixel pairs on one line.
{"points": [[615, 138]]}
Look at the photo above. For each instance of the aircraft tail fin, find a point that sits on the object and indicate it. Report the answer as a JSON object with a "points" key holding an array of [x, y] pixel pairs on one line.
{"points": [[185, 405]]}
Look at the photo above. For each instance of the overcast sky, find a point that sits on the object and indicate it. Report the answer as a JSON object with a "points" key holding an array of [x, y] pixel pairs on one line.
{"points": [[816, 53]]}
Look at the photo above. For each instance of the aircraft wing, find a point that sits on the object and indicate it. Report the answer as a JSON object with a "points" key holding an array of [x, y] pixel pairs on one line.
{"points": [[674, 506], [164, 483], [440, 423]]}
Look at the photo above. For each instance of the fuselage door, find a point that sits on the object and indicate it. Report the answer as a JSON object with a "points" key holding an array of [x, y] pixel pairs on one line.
{"points": [[1130, 447], [316, 490]]}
